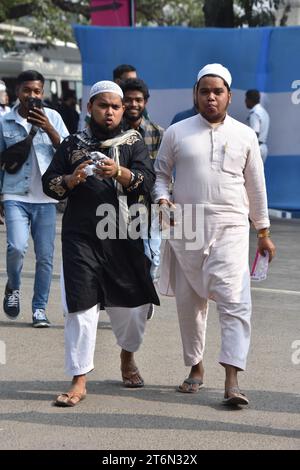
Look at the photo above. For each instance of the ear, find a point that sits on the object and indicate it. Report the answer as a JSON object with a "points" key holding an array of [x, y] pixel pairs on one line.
{"points": [[89, 107], [230, 97]]}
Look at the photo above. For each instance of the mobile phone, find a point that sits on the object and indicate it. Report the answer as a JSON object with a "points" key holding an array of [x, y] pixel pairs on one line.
{"points": [[34, 103], [98, 157], [260, 267]]}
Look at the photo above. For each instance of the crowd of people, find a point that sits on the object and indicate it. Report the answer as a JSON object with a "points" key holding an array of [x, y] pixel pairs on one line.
{"points": [[115, 176]]}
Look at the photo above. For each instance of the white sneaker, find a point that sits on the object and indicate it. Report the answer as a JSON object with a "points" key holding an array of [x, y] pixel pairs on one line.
{"points": [[39, 319]]}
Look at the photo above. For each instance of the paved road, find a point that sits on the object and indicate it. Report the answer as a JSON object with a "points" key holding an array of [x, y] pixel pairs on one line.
{"points": [[156, 417]]}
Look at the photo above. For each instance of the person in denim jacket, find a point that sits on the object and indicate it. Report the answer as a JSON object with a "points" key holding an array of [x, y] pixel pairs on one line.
{"points": [[24, 203]]}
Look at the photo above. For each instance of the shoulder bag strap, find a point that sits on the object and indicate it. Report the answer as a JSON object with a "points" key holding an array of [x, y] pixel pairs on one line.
{"points": [[33, 131]]}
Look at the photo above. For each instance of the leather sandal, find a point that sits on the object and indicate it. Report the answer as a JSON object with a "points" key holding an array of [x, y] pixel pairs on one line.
{"points": [[128, 379], [236, 397], [69, 399]]}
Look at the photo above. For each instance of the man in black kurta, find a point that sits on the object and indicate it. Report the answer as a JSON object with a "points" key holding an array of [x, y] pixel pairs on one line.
{"points": [[102, 270]]}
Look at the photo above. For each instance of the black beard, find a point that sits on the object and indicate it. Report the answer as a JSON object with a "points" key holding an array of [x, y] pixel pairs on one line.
{"points": [[133, 118], [102, 132]]}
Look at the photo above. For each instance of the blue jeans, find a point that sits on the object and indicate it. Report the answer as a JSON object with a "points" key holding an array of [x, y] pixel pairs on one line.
{"points": [[40, 218], [152, 247]]}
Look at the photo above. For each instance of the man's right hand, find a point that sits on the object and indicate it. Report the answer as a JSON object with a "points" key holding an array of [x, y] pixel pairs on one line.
{"points": [[78, 176], [165, 218], [161, 202]]}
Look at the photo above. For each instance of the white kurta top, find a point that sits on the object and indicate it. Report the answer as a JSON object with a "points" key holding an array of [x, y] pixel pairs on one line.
{"points": [[219, 167], [259, 121]]}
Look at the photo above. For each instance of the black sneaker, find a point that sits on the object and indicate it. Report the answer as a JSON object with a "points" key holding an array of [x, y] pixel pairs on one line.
{"points": [[150, 312], [11, 303], [39, 319]]}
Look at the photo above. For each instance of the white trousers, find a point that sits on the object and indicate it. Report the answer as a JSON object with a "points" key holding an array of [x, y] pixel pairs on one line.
{"points": [[128, 325], [192, 315]]}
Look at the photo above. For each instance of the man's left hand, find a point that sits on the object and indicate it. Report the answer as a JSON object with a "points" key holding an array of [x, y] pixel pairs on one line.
{"points": [[108, 168], [266, 244]]}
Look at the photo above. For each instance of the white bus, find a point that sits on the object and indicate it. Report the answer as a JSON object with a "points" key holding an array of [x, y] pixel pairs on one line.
{"points": [[60, 64]]}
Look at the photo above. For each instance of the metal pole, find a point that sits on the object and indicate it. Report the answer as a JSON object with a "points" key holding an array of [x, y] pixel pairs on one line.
{"points": [[132, 12]]}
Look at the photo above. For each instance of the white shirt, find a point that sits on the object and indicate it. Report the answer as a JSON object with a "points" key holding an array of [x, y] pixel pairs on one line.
{"points": [[218, 167], [259, 121]]}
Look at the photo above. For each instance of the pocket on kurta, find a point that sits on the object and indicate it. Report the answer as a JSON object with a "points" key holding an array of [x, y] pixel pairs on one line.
{"points": [[233, 160]]}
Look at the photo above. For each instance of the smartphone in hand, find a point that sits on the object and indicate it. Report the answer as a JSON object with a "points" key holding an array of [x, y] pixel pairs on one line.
{"points": [[260, 266], [34, 103]]}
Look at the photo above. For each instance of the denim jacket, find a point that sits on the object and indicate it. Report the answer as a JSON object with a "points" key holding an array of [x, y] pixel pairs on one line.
{"points": [[12, 132]]}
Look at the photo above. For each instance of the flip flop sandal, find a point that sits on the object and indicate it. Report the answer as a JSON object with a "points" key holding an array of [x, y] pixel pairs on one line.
{"points": [[65, 399], [236, 398], [128, 379], [190, 381]]}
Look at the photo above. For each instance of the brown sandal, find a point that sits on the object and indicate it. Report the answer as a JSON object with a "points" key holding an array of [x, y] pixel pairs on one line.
{"points": [[68, 399], [236, 397], [128, 379]]}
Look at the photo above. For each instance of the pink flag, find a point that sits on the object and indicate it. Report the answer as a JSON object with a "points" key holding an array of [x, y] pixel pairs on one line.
{"points": [[112, 12]]}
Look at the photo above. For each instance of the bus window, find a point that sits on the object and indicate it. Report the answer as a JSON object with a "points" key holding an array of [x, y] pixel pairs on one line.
{"points": [[50, 92], [72, 85], [78, 88]]}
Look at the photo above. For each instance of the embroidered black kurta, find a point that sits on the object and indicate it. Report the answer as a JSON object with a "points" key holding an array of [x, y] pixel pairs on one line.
{"points": [[111, 272]]}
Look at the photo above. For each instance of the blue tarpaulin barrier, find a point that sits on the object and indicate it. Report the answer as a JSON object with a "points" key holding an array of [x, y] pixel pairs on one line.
{"points": [[168, 59]]}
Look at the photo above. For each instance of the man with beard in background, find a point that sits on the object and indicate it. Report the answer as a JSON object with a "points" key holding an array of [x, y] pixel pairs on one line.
{"points": [[136, 95]]}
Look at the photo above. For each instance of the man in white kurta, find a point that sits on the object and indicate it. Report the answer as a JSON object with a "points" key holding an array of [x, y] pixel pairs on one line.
{"points": [[219, 170]]}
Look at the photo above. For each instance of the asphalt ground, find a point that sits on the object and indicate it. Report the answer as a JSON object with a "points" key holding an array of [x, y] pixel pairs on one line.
{"points": [[156, 417]]}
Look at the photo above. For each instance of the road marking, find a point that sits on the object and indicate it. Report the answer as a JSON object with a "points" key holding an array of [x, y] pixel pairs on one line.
{"points": [[276, 291]]}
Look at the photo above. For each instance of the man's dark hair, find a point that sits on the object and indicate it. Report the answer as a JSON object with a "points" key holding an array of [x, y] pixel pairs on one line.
{"points": [[135, 84], [253, 96], [30, 76], [123, 68]]}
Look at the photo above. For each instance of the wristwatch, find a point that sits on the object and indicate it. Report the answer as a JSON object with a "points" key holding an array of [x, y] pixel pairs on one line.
{"points": [[264, 233]]}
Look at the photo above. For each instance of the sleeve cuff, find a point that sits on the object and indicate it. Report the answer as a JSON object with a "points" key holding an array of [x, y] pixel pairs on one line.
{"points": [[265, 223]]}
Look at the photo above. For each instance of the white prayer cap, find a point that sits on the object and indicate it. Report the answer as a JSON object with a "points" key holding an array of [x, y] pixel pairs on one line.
{"points": [[106, 86], [215, 69]]}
